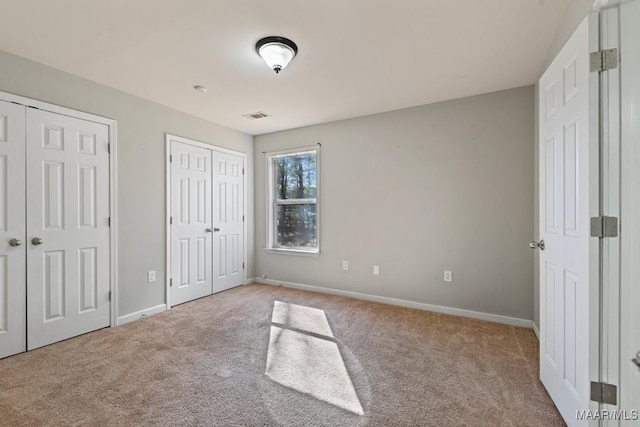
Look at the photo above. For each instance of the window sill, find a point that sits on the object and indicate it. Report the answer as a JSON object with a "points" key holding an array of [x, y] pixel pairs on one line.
{"points": [[294, 252]]}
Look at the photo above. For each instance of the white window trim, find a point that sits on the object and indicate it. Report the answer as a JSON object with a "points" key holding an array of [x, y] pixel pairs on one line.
{"points": [[270, 171]]}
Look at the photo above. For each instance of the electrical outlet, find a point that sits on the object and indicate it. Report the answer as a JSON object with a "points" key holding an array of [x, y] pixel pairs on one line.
{"points": [[376, 270], [151, 276], [448, 276], [345, 265]]}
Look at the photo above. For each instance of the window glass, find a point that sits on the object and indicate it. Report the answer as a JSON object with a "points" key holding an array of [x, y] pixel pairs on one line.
{"points": [[296, 225], [296, 176]]}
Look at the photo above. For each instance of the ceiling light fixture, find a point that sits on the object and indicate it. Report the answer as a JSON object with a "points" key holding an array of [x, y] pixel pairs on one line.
{"points": [[277, 52], [200, 89]]}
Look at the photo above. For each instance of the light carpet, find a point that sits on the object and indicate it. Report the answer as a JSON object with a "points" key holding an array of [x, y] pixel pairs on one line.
{"points": [[203, 364]]}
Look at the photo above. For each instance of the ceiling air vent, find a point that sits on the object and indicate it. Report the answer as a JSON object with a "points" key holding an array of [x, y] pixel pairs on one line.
{"points": [[256, 116]]}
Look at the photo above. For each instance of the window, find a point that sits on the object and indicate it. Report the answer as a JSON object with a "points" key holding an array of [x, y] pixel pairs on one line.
{"points": [[293, 201]]}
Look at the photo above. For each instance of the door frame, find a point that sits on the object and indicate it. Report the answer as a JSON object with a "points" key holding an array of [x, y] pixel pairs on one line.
{"points": [[629, 378], [211, 147], [112, 125], [610, 203], [619, 138], [595, 197]]}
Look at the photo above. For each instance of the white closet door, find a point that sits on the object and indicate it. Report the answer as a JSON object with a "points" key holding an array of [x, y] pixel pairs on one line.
{"points": [[191, 222], [228, 208], [67, 227], [13, 280]]}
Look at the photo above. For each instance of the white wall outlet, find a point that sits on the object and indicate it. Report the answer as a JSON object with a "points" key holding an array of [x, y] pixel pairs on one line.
{"points": [[345, 265], [448, 276], [376, 270], [151, 276], [264, 276]]}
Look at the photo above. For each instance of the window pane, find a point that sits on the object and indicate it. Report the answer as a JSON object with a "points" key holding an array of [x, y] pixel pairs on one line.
{"points": [[296, 176], [296, 225]]}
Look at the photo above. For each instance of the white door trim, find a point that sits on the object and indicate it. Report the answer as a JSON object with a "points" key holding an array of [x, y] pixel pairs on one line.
{"points": [[594, 210], [610, 205], [628, 374], [113, 179], [211, 147]]}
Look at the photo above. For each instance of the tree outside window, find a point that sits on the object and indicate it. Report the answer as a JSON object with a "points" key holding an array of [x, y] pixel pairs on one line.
{"points": [[294, 213]]}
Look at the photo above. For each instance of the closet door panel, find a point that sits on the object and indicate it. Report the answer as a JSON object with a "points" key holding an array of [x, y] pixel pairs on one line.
{"points": [[12, 230], [67, 227]]}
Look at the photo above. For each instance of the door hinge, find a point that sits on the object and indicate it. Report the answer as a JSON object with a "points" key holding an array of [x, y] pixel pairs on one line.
{"points": [[242, 218], [109, 295], [604, 393], [109, 148], [604, 226], [170, 158], [170, 282], [170, 220], [243, 265], [603, 60], [109, 221], [242, 171]]}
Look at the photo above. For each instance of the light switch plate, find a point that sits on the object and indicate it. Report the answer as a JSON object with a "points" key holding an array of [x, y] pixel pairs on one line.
{"points": [[151, 276]]}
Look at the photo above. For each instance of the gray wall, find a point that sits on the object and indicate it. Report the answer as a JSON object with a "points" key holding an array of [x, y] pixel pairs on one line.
{"points": [[573, 16], [575, 13], [447, 186], [141, 165]]}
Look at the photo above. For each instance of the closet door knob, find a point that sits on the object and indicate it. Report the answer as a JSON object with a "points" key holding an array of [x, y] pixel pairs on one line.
{"points": [[37, 241], [15, 242]]}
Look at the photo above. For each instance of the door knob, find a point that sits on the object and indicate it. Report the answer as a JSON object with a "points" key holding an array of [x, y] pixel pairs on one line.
{"points": [[37, 241], [636, 359], [208, 230], [216, 229], [533, 244], [15, 242]]}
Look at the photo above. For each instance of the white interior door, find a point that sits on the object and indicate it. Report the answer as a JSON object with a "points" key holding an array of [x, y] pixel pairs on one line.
{"points": [[68, 247], [564, 226], [191, 225], [13, 269], [228, 248]]}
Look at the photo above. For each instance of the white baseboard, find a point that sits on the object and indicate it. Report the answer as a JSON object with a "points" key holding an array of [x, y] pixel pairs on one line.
{"points": [[250, 280], [142, 313], [514, 321], [535, 330]]}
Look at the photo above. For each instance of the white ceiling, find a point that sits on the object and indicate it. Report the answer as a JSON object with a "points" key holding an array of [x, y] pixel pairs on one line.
{"points": [[356, 57]]}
